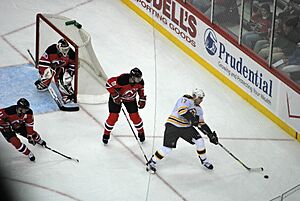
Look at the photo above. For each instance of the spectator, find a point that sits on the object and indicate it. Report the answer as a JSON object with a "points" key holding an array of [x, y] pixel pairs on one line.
{"points": [[285, 44], [260, 24]]}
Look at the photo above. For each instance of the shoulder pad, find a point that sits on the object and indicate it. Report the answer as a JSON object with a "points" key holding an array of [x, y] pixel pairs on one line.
{"points": [[29, 112], [11, 110], [52, 49], [71, 54], [188, 96], [123, 79]]}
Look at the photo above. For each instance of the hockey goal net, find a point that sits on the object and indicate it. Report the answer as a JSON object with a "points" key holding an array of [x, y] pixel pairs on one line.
{"points": [[89, 80]]}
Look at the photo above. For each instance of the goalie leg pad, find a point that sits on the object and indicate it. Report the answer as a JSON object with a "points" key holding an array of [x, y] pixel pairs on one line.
{"points": [[65, 87]]}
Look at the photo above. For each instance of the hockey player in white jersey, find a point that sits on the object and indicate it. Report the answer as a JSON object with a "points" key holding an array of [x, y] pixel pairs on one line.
{"points": [[186, 115]]}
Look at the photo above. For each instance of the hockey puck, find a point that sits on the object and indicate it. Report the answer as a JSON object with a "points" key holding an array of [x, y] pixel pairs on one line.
{"points": [[266, 177]]}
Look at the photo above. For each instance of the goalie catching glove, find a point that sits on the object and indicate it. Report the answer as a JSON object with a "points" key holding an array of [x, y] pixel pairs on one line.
{"points": [[213, 138]]}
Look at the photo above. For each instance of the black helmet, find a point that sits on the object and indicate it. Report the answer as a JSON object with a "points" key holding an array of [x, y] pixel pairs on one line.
{"points": [[23, 103], [135, 72]]}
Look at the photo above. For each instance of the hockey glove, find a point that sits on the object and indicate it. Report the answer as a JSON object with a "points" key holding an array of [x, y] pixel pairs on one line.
{"points": [[6, 129], [116, 98], [31, 140], [142, 102], [42, 142], [213, 138], [16, 125]]}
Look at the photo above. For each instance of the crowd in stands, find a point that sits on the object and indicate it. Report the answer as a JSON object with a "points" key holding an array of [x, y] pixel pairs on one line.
{"points": [[256, 32]]}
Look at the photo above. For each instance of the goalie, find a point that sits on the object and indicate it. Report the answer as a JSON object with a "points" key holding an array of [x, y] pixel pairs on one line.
{"points": [[57, 64]]}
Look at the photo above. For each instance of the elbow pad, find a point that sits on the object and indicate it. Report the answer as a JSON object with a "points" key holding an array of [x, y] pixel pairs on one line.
{"points": [[205, 129], [191, 118]]}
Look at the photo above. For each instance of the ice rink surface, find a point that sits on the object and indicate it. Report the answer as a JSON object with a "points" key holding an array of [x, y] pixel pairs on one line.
{"points": [[116, 172]]}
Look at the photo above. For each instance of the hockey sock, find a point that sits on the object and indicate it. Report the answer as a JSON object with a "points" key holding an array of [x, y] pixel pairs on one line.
{"points": [[19, 145], [201, 151], [161, 153], [110, 122], [137, 122]]}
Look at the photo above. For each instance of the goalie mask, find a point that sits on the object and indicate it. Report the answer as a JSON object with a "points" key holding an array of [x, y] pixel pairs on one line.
{"points": [[63, 47]]}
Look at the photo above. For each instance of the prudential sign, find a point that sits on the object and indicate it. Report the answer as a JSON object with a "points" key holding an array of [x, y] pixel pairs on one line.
{"points": [[236, 67]]}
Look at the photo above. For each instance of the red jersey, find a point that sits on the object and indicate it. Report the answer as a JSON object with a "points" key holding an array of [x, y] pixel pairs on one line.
{"points": [[53, 57], [126, 90], [263, 24], [9, 117]]}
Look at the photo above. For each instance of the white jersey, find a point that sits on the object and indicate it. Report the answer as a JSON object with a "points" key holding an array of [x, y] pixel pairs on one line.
{"points": [[184, 104]]}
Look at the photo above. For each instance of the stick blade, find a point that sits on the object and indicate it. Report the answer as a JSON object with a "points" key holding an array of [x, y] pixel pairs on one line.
{"points": [[260, 169]]}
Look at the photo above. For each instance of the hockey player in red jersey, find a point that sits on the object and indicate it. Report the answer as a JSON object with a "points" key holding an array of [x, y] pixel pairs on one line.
{"points": [[57, 63], [186, 115], [123, 90], [18, 119]]}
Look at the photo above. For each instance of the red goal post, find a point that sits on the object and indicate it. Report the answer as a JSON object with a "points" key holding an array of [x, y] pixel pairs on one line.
{"points": [[89, 80]]}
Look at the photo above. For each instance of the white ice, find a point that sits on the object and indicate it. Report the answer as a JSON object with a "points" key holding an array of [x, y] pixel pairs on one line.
{"points": [[122, 40]]}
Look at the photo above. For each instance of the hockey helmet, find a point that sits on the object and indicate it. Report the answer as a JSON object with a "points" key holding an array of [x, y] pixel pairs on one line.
{"points": [[136, 75], [23, 103], [63, 47], [22, 106], [135, 72], [198, 93]]}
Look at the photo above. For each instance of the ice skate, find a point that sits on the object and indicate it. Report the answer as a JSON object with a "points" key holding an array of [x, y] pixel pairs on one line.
{"points": [[31, 156], [207, 164], [151, 166]]}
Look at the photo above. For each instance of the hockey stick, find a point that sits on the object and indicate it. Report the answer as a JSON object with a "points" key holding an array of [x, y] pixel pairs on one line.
{"points": [[35, 64], [68, 157], [238, 160], [135, 135]]}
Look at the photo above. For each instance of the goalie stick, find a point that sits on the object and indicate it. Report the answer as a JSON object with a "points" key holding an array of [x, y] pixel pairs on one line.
{"points": [[238, 160]]}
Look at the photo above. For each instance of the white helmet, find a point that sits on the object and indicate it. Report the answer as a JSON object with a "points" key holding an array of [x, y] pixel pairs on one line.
{"points": [[63, 47], [198, 93]]}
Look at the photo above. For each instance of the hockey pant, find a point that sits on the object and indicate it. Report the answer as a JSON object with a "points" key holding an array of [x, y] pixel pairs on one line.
{"points": [[113, 118], [12, 138]]}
